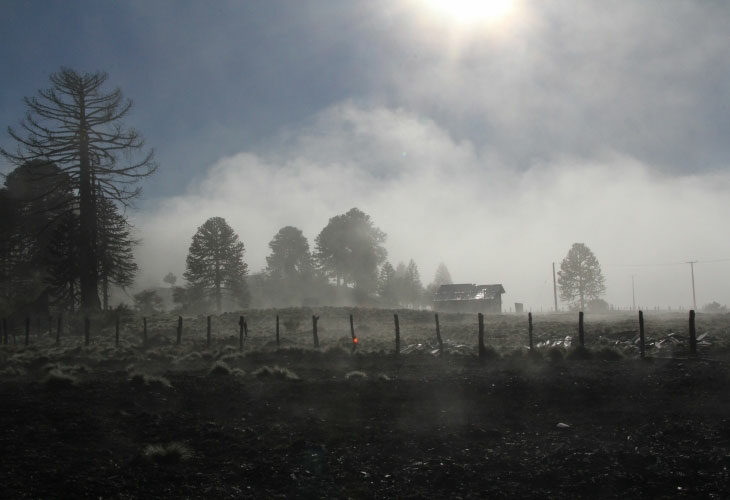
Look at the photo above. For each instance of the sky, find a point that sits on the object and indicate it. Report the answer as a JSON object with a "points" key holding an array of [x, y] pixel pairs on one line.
{"points": [[490, 140]]}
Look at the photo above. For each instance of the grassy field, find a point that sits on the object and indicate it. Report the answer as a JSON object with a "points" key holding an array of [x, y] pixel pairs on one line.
{"points": [[157, 419]]}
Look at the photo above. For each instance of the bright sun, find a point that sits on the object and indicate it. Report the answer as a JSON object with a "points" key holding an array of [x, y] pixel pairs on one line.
{"points": [[473, 11]]}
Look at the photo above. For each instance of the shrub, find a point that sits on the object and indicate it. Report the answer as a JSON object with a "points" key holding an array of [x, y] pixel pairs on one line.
{"points": [[275, 372], [219, 368], [57, 379]]}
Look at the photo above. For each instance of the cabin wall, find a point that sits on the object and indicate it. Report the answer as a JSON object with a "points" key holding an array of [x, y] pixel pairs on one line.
{"points": [[493, 306]]}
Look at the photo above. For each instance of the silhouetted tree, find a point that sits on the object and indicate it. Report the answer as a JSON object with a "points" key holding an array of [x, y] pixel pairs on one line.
{"points": [[413, 287], [349, 250], [580, 277], [170, 279], [31, 208], [76, 125], [289, 271], [387, 286], [114, 247], [442, 277], [215, 263]]}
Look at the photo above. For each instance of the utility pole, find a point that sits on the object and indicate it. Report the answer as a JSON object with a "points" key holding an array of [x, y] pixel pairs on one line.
{"points": [[692, 270], [633, 294], [555, 289]]}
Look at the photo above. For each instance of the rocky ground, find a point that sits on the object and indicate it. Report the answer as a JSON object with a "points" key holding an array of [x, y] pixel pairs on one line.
{"points": [[158, 420]]}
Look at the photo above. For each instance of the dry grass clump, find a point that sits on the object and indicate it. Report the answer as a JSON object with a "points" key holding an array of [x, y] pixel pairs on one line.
{"points": [[145, 379], [56, 379], [383, 377], [219, 369], [170, 453], [275, 372], [356, 375], [233, 357]]}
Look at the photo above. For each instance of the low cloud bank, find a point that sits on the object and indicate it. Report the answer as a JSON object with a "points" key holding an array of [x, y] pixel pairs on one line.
{"points": [[440, 199]]}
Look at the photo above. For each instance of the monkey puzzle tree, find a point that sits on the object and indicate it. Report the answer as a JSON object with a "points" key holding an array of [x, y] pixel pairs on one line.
{"points": [[76, 125], [580, 277], [215, 264]]}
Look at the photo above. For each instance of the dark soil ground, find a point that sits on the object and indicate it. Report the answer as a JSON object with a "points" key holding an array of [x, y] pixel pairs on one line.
{"points": [[79, 422]]}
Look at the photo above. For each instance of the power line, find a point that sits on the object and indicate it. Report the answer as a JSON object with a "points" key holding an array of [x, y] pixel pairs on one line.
{"points": [[669, 263]]}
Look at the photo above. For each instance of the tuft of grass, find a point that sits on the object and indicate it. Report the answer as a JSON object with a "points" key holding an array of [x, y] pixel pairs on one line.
{"points": [[219, 368], [233, 357], [145, 379], [56, 379], [356, 375], [170, 453], [383, 377], [275, 372]]}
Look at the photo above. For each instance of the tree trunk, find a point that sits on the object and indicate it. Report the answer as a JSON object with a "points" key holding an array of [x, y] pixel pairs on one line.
{"points": [[87, 222], [105, 293]]}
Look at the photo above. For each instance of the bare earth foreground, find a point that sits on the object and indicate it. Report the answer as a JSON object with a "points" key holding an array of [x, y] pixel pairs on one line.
{"points": [[159, 420]]}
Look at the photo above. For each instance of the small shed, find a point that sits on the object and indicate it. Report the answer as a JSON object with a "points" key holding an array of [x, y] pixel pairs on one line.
{"points": [[467, 297]]}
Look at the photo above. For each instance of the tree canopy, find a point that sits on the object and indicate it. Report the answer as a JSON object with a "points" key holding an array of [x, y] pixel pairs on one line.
{"points": [[349, 250], [580, 277], [215, 266]]}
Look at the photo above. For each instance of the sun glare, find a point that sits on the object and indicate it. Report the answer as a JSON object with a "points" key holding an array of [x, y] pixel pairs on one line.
{"points": [[473, 11]]}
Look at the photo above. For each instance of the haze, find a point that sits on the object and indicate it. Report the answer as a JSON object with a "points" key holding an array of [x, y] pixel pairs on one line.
{"points": [[489, 146]]}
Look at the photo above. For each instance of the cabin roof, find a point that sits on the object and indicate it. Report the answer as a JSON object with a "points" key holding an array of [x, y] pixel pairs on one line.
{"points": [[468, 291]]}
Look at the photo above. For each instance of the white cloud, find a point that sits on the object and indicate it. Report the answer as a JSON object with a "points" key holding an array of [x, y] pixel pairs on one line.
{"points": [[441, 200]]}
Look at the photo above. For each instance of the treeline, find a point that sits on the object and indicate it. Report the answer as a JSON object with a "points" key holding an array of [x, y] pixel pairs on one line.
{"points": [[347, 266], [65, 239]]}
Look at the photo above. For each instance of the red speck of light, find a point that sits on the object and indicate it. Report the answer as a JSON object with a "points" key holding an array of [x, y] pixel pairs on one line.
{"points": [[354, 340]]}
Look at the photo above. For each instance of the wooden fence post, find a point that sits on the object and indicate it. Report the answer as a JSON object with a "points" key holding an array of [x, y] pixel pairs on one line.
{"points": [[397, 334], [179, 329], [529, 327], [58, 329], [315, 337], [144, 329], [642, 349], [116, 331], [27, 331], [692, 333], [482, 350], [207, 335], [87, 328], [241, 322], [352, 333], [581, 333], [438, 335], [277, 330]]}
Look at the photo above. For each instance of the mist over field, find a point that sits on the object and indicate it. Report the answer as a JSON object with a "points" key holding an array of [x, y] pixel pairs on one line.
{"points": [[489, 139], [442, 200]]}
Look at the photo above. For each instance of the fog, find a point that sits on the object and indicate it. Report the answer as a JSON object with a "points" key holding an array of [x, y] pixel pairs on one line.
{"points": [[440, 199], [491, 145]]}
